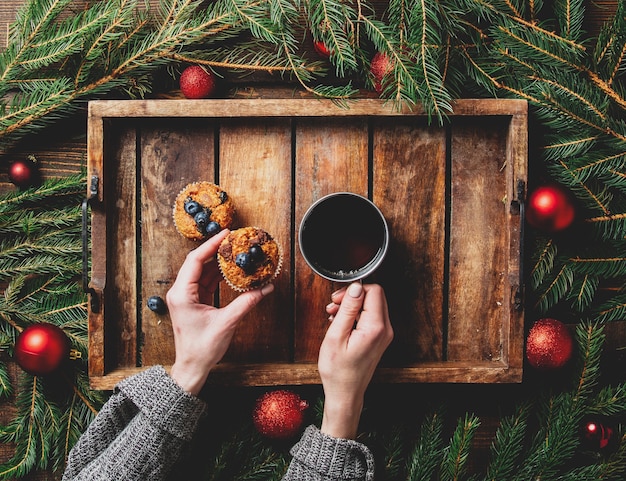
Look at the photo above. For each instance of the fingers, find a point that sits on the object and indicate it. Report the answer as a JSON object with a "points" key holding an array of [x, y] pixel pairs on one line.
{"points": [[348, 310], [191, 270], [245, 302]]}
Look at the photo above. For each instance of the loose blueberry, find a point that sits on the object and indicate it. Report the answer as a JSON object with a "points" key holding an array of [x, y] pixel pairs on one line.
{"points": [[256, 252], [244, 261], [156, 304], [192, 207], [201, 219], [213, 228], [223, 196]]}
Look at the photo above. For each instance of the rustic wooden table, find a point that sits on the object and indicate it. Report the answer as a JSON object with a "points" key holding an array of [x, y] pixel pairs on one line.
{"points": [[62, 150]]}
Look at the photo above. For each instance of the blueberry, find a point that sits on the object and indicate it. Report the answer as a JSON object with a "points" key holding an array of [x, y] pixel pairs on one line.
{"points": [[244, 261], [201, 219], [156, 304], [213, 228], [256, 252], [192, 207], [223, 196]]}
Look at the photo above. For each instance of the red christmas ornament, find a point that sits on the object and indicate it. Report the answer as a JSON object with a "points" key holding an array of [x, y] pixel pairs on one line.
{"points": [[550, 209], [549, 344], [196, 82], [24, 173], [321, 49], [41, 348], [596, 435], [379, 67], [279, 414]]}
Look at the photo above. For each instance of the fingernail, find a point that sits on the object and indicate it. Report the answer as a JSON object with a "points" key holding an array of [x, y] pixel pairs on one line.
{"points": [[355, 289], [267, 289], [330, 306], [336, 293]]}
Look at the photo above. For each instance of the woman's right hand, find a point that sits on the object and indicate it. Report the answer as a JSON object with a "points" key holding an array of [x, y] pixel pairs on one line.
{"points": [[359, 333]]}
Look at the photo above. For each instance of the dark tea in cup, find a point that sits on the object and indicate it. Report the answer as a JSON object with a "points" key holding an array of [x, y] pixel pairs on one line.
{"points": [[343, 237]]}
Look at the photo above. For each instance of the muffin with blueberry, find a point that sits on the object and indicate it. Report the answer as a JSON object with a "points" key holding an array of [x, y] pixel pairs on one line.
{"points": [[249, 257], [201, 210]]}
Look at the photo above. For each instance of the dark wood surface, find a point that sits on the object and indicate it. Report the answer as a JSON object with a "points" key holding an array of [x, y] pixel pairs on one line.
{"points": [[63, 151]]}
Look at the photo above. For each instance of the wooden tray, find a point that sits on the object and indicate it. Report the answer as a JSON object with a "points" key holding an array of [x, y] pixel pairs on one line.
{"points": [[453, 198]]}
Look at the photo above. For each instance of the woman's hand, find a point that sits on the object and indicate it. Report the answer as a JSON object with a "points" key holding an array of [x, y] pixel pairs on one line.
{"points": [[202, 332], [356, 339]]}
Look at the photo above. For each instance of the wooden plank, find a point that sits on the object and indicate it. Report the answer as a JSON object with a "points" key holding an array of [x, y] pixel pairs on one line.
{"points": [[478, 239], [255, 170], [331, 156], [236, 108], [120, 198], [170, 159], [97, 281], [409, 182]]}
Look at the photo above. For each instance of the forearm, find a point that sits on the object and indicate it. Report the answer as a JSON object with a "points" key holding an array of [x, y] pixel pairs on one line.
{"points": [[140, 432], [319, 457]]}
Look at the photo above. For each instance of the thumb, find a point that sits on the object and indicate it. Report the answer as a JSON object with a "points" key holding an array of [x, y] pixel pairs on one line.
{"points": [[349, 309], [245, 302]]}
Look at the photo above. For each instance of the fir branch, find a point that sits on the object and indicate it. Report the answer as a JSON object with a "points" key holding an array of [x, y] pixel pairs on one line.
{"points": [[32, 437], [453, 465], [612, 310], [589, 340], [428, 451], [582, 292], [555, 288], [507, 446], [545, 254], [6, 389]]}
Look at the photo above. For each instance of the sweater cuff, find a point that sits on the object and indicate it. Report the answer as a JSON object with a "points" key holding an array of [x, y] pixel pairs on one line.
{"points": [[335, 458], [164, 402]]}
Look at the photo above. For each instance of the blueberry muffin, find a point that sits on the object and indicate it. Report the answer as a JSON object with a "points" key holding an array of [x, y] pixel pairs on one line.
{"points": [[249, 258], [201, 210]]}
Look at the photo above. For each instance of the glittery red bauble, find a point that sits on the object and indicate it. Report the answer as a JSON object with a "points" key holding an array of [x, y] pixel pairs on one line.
{"points": [[41, 348], [596, 435], [379, 67], [197, 82], [23, 173], [279, 414], [550, 208], [549, 344]]}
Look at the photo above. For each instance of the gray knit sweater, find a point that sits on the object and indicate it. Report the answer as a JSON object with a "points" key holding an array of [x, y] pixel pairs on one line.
{"points": [[149, 422]]}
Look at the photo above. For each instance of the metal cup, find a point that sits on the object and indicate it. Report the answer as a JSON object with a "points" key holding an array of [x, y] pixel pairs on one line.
{"points": [[343, 237]]}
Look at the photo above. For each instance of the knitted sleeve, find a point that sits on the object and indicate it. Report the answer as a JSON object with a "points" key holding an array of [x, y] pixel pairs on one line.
{"points": [[319, 457], [139, 433]]}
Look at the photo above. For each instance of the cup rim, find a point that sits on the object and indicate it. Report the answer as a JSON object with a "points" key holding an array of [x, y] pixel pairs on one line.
{"points": [[362, 272]]}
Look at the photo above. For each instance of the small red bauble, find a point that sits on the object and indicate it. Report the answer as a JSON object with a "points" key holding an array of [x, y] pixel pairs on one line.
{"points": [[550, 209], [41, 348], [549, 344], [379, 67], [23, 173], [279, 414], [196, 82], [321, 49], [596, 435]]}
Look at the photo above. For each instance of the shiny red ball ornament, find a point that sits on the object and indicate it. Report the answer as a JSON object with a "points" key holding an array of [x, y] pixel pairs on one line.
{"points": [[23, 173], [596, 435], [549, 344], [550, 209], [41, 349], [279, 414], [197, 82]]}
